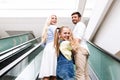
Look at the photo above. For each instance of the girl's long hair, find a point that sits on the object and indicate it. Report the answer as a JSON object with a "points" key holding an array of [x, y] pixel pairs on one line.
{"points": [[56, 40]]}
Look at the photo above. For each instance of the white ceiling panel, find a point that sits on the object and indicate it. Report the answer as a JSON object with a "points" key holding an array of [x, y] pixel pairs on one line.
{"points": [[37, 8]]}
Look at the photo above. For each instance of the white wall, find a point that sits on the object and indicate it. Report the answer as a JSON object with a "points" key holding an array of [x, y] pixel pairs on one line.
{"points": [[108, 35], [21, 24], [97, 16]]}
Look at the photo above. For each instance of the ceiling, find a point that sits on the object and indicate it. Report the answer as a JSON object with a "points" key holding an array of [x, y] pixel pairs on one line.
{"points": [[37, 8]]}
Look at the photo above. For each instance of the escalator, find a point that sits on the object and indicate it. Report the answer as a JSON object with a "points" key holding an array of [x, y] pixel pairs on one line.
{"points": [[9, 42], [25, 67], [22, 62], [15, 59], [102, 64]]}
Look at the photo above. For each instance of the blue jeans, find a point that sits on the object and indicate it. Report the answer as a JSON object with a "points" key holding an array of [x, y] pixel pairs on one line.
{"points": [[65, 68]]}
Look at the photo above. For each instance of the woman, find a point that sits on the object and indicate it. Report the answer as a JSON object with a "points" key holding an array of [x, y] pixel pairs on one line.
{"points": [[49, 58]]}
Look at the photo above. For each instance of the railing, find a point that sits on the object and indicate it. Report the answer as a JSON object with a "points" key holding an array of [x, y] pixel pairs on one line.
{"points": [[105, 65], [9, 42], [13, 57]]}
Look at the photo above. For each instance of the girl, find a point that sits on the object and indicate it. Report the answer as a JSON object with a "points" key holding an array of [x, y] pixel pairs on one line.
{"points": [[66, 46], [49, 58], [62, 43]]}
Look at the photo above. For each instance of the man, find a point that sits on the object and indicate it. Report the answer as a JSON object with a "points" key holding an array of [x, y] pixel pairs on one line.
{"points": [[80, 59]]}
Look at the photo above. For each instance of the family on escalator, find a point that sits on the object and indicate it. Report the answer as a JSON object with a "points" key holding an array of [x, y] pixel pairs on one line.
{"points": [[65, 54]]}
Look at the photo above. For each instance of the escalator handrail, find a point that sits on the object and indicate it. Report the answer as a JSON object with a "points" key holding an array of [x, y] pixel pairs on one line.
{"points": [[13, 52], [8, 67], [104, 51], [15, 35], [2, 53]]}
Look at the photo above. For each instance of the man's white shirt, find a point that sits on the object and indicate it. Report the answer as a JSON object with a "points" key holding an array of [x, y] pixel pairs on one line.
{"points": [[79, 32]]}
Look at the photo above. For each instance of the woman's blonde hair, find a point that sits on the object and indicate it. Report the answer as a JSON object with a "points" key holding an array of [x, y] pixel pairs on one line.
{"points": [[73, 42], [47, 24]]}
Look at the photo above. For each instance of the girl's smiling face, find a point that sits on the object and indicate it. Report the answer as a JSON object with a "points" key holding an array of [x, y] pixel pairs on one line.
{"points": [[65, 34]]}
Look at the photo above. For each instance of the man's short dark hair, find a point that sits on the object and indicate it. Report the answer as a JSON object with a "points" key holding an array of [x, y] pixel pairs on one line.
{"points": [[79, 15]]}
